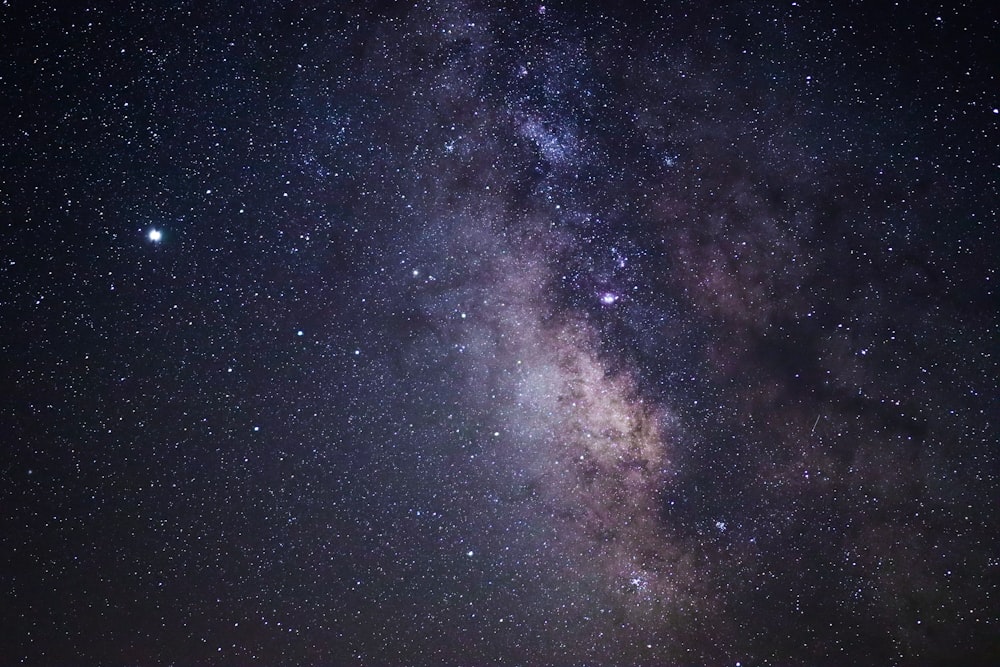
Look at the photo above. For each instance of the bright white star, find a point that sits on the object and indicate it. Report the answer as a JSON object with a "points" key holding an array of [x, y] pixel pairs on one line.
{"points": [[155, 235]]}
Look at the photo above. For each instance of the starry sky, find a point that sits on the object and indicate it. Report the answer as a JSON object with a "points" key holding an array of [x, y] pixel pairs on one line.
{"points": [[499, 333]]}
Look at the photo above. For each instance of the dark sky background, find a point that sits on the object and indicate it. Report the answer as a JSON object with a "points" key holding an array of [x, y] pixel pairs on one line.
{"points": [[499, 333]]}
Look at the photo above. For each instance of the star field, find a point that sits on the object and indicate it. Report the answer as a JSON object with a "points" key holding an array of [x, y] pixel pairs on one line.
{"points": [[446, 333]]}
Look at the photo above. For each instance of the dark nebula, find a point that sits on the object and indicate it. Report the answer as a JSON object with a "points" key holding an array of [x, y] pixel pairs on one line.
{"points": [[500, 334]]}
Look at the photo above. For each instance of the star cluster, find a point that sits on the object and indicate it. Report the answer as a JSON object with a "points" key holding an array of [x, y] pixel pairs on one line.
{"points": [[499, 333]]}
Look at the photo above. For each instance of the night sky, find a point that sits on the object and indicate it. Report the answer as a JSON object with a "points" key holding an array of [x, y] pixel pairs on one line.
{"points": [[499, 333]]}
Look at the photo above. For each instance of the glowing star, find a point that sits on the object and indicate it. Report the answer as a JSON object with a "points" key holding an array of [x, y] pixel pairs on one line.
{"points": [[155, 235], [609, 299]]}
